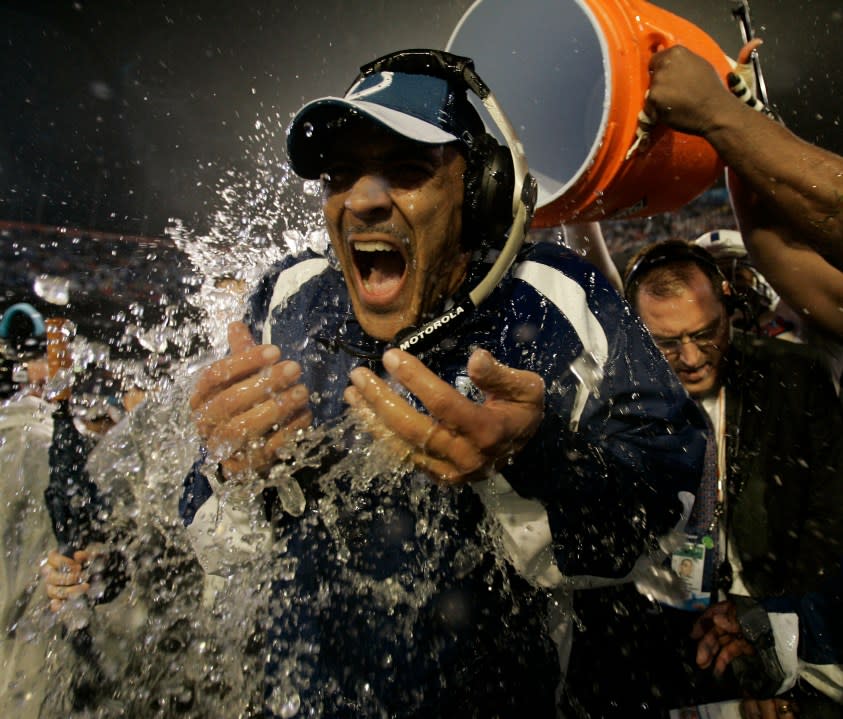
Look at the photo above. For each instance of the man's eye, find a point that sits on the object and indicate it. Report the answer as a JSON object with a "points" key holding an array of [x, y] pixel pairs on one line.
{"points": [[705, 335], [407, 174], [338, 177], [668, 343]]}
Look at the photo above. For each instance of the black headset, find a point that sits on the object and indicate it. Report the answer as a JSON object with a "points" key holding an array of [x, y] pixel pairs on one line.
{"points": [[500, 193], [489, 204], [671, 251]]}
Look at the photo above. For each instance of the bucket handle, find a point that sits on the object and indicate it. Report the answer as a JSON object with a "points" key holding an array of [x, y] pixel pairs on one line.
{"points": [[656, 40], [657, 37]]}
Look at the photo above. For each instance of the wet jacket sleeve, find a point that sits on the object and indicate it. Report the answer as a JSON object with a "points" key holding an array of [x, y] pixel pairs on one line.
{"points": [[620, 453]]}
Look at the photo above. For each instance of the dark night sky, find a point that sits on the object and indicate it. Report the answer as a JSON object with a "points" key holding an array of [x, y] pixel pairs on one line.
{"points": [[110, 112]]}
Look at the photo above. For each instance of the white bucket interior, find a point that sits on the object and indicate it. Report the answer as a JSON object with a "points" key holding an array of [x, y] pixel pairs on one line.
{"points": [[546, 62]]}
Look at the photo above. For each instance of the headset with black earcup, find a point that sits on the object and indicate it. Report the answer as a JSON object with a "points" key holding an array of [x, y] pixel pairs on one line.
{"points": [[22, 331], [489, 181]]}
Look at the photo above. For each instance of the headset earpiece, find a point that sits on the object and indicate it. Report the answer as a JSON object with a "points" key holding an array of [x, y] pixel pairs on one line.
{"points": [[489, 184], [728, 294]]}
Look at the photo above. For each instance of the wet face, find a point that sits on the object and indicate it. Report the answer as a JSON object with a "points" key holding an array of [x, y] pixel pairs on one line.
{"points": [[393, 210], [692, 330]]}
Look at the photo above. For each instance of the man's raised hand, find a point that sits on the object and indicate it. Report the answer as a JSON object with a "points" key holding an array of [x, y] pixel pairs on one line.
{"points": [[460, 439], [247, 405]]}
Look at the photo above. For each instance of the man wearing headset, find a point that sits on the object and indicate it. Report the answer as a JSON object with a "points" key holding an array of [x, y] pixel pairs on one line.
{"points": [[547, 425], [771, 535]]}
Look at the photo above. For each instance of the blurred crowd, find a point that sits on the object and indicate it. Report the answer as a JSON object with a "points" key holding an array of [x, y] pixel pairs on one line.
{"points": [[102, 280]]}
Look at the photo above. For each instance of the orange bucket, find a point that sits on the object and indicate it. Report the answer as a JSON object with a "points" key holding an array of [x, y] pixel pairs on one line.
{"points": [[571, 76]]}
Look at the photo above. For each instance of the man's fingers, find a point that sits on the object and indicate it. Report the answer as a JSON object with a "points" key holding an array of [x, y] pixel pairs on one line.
{"points": [[239, 337], [735, 648], [442, 400], [463, 418], [398, 416], [706, 651], [364, 414], [391, 410], [254, 423], [459, 437], [750, 709], [763, 709], [232, 369], [242, 396], [92, 551], [257, 456], [444, 454], [727, 624], [65, 593], [57, 560], [496, 379], [706, 622], [447, 472], [465, 434], [699, 629], [62, 578], [302, 420]]}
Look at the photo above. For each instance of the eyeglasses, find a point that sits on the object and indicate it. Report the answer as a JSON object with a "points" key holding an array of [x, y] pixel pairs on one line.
{"points": [[705, 339]]}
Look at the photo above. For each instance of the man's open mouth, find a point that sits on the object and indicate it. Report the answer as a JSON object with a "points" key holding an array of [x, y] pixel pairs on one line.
{"points": [[380, 266]]}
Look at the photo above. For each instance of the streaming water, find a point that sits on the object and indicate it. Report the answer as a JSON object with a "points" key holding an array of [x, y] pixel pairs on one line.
{"points": [[156, 649]]}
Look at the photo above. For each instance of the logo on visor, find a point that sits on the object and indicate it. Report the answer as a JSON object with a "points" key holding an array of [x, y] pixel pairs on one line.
{"points": [[384, 80]]}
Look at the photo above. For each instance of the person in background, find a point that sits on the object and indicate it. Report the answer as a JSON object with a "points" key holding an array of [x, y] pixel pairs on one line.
{"points": [[138, 645], [549, 414], [23, 367], [772, 530], [26, 428]]}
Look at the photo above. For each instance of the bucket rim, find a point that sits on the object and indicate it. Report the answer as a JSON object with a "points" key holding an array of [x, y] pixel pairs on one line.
{"points": [[551, 189]]}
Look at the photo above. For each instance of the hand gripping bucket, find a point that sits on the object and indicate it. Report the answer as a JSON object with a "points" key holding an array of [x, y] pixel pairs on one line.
{"points": [[571, 76]]}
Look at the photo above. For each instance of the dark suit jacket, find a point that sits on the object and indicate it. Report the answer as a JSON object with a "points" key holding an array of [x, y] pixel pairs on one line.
{"points": [[785, 456]]}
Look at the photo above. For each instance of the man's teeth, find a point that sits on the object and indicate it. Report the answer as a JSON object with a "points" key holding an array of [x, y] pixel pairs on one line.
{"points": [[373, 246]]}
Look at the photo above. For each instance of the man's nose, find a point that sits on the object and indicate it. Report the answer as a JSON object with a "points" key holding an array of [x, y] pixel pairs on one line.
{"points": [[689, 353], [369, 194]]}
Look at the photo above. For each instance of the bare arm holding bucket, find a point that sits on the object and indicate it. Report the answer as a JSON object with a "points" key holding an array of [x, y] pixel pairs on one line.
{"points": [[797, 182], [806, 280]]}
